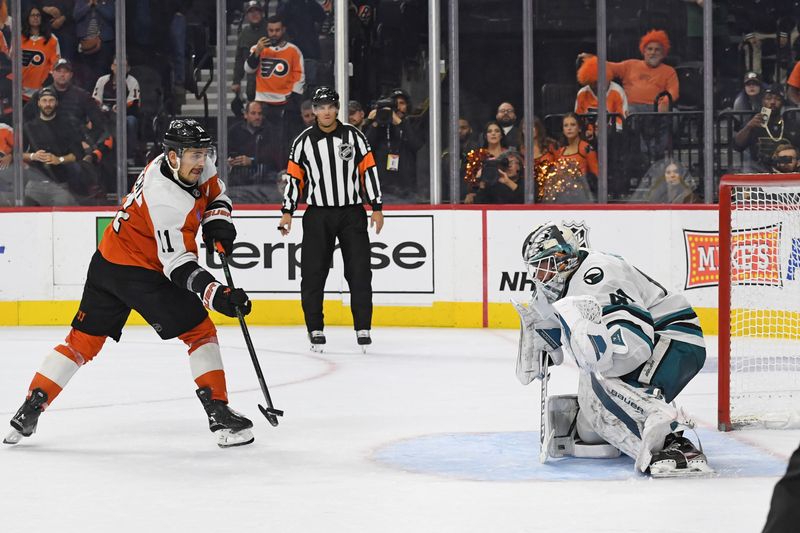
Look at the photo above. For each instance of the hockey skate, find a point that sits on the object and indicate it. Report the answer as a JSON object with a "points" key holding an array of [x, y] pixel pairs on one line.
{"points": [[230, 427], [679, 458], [363, 339], [317, 338], [27, 418]]}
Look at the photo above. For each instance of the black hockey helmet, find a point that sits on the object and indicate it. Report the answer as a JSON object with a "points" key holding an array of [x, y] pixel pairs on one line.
{"points": [[325, 95], [185, 133]]}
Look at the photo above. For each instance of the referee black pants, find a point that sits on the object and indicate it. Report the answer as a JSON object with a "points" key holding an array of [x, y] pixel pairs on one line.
{"points": [[321, 227], [784, 512]]}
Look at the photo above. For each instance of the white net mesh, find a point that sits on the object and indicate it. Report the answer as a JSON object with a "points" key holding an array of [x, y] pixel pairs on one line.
{"points": [[765, 306]]}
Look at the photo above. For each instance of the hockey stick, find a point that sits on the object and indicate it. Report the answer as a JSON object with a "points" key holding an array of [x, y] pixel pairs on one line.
{"points": [[544, 439], [270, 412]]}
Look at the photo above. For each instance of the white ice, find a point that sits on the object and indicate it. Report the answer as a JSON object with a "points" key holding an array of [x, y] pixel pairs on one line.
{"points": [[126, 446]]}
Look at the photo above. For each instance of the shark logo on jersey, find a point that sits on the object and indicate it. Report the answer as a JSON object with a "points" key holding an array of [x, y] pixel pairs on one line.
{"points": [[593, 276], [346, 151], [580, 230]]}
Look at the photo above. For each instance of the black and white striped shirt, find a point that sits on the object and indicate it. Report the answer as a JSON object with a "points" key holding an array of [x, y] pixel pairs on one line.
{"points": [[333, 168]]}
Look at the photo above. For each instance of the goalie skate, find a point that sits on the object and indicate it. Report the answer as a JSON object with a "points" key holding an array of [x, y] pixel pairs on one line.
{"points": [[317, 338], [679, 458]]}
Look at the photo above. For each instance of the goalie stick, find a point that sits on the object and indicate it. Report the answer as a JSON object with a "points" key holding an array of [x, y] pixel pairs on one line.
{"points": [[545, 436], [269, 412]]}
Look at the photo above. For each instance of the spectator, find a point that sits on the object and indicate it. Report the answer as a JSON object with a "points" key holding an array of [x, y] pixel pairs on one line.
{"points": [[543, 146], [303, 20], [784, 159], [74, 103], [508, 188], [645, 81], [52, 149], [59, 13], [762, 134], [586, 101], [395, 143], [793, 84], [251, 171], [574, 147], [670, 183], [40, 51], [566, 179], [749, 98], [94, 28], [255, 27], [466, 142], [6, 172], [355, 114], [105, 94], [280, 82], [506, 116], [307, 114], [493, 143]]}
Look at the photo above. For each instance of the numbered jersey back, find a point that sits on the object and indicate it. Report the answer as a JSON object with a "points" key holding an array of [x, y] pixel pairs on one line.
{"points": [[156, 226]]}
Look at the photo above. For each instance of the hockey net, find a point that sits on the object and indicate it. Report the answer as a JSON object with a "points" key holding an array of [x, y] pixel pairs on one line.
{"points": [[759, 301]]}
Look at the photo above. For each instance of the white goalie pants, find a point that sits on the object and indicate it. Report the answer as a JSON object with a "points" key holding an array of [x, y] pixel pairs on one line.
{"points": [[627, 417]]}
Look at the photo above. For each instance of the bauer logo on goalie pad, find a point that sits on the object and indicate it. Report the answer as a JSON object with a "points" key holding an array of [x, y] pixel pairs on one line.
{"points": [[552, 336]]}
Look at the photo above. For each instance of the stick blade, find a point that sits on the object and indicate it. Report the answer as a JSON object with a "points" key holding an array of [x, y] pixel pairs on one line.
{"points": [[271, 414]]}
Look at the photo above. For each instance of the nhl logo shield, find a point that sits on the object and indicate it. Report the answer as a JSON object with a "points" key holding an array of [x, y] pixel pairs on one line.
{"points": [[346, 151], [580, 230]]}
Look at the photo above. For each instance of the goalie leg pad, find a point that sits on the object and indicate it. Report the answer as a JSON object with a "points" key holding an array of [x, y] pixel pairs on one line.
{"points": [[563, 416]]}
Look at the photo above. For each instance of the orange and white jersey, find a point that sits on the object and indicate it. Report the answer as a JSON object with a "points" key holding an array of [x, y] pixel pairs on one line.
{"points": [[6, 139], [616, 102], [38, 58], [279, 73], [157, 224]]}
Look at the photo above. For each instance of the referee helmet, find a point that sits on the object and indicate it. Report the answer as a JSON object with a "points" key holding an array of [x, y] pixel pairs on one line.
{"points": [[325, 95]]}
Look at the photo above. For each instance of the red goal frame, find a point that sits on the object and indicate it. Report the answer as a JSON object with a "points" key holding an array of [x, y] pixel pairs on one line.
{"points": [[727, 182]]}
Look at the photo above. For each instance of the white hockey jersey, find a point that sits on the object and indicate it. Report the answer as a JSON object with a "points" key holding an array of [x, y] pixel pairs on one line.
{"points": [[637, 310]]}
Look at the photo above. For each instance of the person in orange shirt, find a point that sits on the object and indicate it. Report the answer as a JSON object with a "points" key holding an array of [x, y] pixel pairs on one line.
{"points": [[647, 82], [40, 51], [147, 261], [586, 101], [793, 85]]}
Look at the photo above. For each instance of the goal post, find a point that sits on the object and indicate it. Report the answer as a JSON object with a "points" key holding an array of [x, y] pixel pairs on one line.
{"points": [[759, 301]]}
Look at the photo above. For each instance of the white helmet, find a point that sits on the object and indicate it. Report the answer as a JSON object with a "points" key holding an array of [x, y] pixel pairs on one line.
{"points": [[551, 255]]}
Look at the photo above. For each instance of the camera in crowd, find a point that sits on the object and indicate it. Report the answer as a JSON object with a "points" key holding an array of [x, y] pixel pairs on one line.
{"points": [[490, 173], [385, 107]]}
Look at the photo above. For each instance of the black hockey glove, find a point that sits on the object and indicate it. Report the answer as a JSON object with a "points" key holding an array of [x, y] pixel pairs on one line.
{"points": [[225, 300], [218, 226]]}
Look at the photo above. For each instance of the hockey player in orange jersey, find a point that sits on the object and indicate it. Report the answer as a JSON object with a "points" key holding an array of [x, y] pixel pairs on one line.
{"points": [[147, 261]]}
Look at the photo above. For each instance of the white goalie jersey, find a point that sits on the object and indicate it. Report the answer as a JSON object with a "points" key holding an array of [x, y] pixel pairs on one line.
{"points": [[634, 308]]}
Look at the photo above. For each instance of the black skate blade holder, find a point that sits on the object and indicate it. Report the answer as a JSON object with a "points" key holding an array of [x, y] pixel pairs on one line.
{"points": [[269, 412]]}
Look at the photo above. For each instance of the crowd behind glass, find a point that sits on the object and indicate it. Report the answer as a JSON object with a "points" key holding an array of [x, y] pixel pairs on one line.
{"points": [[281, 50]]}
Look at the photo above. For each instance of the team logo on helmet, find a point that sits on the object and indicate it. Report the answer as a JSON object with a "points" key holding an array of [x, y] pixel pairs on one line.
{"points": [[346, 152]]}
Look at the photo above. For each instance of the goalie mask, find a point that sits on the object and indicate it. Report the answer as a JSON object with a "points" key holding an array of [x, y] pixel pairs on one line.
{"points": [[551, 255]]}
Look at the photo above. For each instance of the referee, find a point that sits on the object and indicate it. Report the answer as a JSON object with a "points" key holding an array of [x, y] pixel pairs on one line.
{"points": [[333, 164]]}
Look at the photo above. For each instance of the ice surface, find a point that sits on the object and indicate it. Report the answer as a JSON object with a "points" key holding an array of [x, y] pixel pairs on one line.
{"points": [[430, 431]]}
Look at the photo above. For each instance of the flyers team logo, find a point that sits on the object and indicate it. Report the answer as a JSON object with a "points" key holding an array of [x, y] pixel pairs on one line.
{"points": [[273, 67], [32, 57], [754, 258]]}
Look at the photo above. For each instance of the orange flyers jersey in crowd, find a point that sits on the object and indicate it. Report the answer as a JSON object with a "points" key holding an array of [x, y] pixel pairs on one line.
{"points": [[616, 102], [642, 83], [279, 73], [157, 224], [38, 59], [6, 139], [794, 77]]}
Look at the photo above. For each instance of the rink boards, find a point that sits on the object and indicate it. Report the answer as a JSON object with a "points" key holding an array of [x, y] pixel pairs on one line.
{"points": [[455, 267]]}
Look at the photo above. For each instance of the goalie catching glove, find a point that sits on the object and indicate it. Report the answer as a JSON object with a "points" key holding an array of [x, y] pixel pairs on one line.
{"points": [[586, 336], [218, 226], [225, 300]]}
